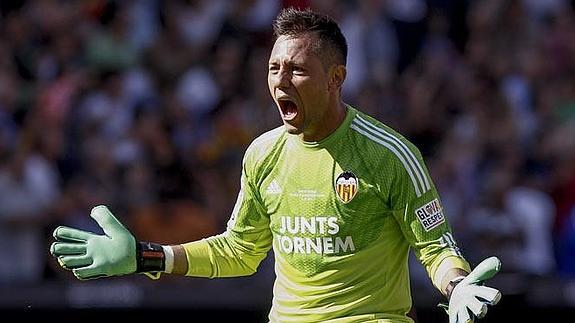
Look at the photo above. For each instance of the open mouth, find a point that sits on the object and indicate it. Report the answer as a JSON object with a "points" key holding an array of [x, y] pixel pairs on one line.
{"points": [[288, 108]]}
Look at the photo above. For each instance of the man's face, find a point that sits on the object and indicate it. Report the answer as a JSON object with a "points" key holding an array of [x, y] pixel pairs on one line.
{"points": [[298, 83]]}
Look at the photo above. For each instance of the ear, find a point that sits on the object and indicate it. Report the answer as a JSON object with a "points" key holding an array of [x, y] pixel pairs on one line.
{"points": [[337, 75]]}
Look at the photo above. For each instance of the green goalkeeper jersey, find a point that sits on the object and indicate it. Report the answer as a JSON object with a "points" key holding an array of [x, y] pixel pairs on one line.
{"points": [[341, 215]]}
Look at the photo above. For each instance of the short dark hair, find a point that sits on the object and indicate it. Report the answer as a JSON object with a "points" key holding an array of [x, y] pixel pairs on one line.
{"points": [[293, 22]]}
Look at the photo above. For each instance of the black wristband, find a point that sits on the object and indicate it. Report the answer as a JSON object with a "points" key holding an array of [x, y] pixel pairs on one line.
{"points": [[150, 257]]}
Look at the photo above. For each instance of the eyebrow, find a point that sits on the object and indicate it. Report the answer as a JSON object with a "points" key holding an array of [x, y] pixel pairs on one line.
{"points": [[288, 63]]}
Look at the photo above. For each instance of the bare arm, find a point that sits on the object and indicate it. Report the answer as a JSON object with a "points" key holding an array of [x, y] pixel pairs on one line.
{"points": [[180, 260]]}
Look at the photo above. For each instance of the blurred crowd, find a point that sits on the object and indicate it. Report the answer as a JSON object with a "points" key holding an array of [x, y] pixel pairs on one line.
{"points": [[147, 106]]}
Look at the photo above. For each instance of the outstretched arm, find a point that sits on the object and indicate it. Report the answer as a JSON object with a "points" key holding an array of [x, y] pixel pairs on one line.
{"points": [[236, 252], [117, 252]]}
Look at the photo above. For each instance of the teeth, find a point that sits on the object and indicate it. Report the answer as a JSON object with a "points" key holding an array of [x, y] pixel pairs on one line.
{"points": [[288, 109]]}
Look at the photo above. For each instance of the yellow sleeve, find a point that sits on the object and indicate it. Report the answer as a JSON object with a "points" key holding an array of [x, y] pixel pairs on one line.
{"points": [[240, 249], [421, 217]]}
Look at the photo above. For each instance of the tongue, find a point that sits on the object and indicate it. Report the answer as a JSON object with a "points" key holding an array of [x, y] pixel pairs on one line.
{"points": [[290, 110]]}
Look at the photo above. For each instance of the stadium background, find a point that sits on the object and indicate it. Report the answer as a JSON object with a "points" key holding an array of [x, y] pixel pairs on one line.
{"points": [[147, 106]]}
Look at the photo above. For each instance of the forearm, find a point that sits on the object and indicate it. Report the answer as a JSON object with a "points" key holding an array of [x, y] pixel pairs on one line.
{"points": [[177, 256], [225, 255], [177, 262]]}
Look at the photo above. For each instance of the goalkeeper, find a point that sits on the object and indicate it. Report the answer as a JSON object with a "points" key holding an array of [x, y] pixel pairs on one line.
{"points": [[339, 196]]}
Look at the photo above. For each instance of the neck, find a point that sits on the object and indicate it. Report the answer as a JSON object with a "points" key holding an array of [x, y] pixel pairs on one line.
{"points": [[332, 120]]}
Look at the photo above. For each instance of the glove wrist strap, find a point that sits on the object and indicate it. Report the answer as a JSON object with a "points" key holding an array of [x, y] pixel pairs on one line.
{"points": [[452, 283], [150, 257]]}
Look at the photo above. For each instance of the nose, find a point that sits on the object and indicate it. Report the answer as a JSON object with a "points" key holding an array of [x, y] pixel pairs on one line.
{"points": [[282, 79]]}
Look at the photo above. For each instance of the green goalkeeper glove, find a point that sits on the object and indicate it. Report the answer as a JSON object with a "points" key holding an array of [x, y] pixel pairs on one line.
{"points": [[469, 298], [115, 253]]}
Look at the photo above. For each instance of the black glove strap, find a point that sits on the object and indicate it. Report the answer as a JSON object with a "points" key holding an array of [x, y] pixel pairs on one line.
{"points": [[452, 284], [150, 257]]}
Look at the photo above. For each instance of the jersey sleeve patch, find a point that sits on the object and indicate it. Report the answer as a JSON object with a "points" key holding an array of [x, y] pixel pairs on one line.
{"points": [[430, 215]]}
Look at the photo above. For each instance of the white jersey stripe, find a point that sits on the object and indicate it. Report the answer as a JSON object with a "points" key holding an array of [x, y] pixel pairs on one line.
{"points": [[448, 239], [419, 171], [357, 128], [364, 125], [411, 163]]}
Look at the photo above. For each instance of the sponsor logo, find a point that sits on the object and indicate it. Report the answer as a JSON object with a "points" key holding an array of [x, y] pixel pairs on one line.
{"points": [[430, 215], [346, 186], [312, 235], [274, 188]]}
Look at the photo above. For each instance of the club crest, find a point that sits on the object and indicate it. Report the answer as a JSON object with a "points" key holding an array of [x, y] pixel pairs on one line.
{"points": [[346, 186]]}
